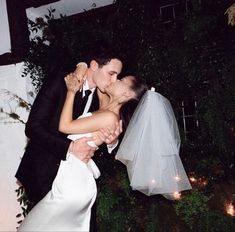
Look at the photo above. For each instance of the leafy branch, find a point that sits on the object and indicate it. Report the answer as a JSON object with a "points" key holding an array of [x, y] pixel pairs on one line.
{"points": [[16, 101]]}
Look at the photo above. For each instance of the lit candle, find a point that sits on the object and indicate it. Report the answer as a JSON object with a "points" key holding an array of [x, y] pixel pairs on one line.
{"points": [[230, 209], [205, 182], [193, 179], [177, 195]]}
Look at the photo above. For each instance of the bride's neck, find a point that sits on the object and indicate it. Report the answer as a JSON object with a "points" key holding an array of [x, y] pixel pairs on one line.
{"points": [[104, 99], [107, 102], [114, 107]]}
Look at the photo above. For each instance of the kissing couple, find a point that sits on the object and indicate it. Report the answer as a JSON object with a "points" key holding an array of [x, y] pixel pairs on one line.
{"points": [[64, 132]]}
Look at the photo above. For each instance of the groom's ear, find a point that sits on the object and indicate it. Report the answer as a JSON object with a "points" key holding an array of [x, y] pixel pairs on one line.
{"points": [[94, 65]]}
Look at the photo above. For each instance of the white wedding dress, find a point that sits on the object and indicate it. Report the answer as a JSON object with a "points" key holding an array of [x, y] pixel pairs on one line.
{"points": [[67, 207]]}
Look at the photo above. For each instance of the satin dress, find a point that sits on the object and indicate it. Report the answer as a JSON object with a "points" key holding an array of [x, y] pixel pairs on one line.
{"points": [[67, 207]]}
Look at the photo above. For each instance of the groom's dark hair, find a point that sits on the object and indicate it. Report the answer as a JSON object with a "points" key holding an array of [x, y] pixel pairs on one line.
{"points": [[103, 53]]}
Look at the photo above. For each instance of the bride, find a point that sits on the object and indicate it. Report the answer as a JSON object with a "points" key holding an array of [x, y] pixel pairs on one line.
{"points": [[67, 207]]}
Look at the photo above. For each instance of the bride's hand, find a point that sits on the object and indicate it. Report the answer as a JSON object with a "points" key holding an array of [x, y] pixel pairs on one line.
{"points": [[72, 83], [80, 71]]}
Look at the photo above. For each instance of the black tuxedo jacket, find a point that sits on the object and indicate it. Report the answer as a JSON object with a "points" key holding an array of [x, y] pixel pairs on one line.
{"points": [[46, 146]]}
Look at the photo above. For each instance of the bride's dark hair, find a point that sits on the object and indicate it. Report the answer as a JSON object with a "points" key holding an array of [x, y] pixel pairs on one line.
{"points": [[128, 108]]}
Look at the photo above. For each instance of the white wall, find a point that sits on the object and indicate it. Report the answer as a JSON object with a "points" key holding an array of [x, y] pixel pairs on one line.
{"points": [[12, 137], [12, 141], [66, 7], [5, 43]]}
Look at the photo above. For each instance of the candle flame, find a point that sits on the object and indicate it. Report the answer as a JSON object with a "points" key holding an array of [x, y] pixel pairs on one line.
{"points": [[193, 179], [230, 209], [177, 195]]}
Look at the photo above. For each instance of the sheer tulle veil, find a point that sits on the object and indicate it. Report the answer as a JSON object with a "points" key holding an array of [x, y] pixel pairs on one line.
{"points": [[150, 149]]}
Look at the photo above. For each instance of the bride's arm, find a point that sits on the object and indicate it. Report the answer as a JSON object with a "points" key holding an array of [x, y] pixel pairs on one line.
{"points": [[90, 124]]}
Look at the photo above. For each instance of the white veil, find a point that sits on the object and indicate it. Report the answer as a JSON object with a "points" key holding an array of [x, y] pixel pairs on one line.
{"points": [[150, 149]]}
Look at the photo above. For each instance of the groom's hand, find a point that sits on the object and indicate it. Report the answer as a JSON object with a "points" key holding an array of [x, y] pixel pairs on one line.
{"points": [[81, 149]]}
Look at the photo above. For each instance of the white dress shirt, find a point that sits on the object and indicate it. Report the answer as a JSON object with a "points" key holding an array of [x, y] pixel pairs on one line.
{"points": [[88, 104]]}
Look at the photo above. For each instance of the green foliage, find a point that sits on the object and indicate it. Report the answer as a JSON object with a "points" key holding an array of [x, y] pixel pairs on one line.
{"points": [[26, 206], [114, 200], [215, 221], [191, 207], [154, 221], [14, 102], [194, 211]]}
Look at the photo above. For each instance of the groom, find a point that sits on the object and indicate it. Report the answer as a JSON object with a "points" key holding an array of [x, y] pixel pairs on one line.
{"points": [[47, 146]]}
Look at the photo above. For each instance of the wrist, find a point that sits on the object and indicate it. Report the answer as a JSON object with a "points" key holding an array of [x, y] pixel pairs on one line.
{"points": [[71, 93]]}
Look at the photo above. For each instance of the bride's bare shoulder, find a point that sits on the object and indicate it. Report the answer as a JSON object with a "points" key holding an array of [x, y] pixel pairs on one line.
{"points": [[107, 116]]}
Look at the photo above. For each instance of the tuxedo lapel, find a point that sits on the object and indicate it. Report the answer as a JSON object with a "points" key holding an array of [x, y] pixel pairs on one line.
{"points": [[77, 106], [94, 103]]}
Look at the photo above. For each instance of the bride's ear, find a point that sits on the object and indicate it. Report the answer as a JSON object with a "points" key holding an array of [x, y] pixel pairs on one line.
{"points": [[130, 94], [126, 97]]}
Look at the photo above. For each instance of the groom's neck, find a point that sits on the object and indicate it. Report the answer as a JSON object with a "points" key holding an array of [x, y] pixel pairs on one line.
{"points": [[89, 79]]}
